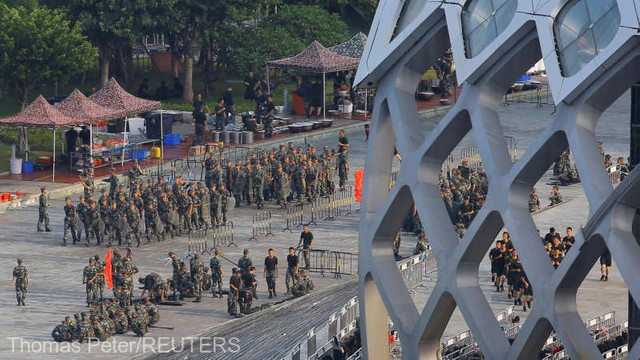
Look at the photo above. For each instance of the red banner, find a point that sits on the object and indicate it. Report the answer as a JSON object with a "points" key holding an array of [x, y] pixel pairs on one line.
{"points": [[108, 272], [358, 188]]}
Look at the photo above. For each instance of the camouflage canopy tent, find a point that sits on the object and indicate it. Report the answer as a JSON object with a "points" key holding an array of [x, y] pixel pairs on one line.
{"points": [[315, 59]]}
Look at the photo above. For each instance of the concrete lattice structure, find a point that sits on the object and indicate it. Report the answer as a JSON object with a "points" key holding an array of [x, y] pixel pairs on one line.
{"points": [[406, 38]]}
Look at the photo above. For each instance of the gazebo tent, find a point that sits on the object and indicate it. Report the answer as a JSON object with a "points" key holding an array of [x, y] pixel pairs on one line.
{"points": [[42, 114], [79, 106], [353, 47], [316, 59], [113, 96]]}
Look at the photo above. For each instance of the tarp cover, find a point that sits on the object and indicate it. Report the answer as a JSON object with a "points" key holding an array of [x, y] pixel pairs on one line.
{"points": [[115, 97], [79, 106], [40, 114], [317, 59], [353, 47]]}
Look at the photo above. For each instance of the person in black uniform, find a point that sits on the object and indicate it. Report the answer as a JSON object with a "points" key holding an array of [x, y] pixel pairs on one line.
{"points": [[143, 89], [178, 89], [493, 257], [72, 138], [605, 264], [221, 115], [292, 269], [306, 240], [315, 107], [250, 86], [200, 120], [271, 272], [198, 104], [343, 142], [228, 100], [85, 136]]}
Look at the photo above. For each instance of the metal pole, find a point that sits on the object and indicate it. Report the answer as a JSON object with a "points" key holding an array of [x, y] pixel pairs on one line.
{"points": [[268, 82], [366, 95], [161, 135], [324, 95], [91, 142], [634, 159], [53, 176]]}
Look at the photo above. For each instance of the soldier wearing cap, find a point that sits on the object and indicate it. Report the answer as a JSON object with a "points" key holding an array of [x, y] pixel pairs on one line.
{"points": [[20, 282], [69, 222], [43, 214]]}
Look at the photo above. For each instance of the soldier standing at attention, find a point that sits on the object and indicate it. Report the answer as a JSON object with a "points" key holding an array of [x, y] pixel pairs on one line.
{"points": [[343, 142], [216, 274], [256, 181], [292, 269], [271, 272], [69, 222], [89, 276], [20, 282], [88, 184], [343, 168], [100, 276], [197, 271], [43, 214], [306, 240], [224, 199], [534, 201]]}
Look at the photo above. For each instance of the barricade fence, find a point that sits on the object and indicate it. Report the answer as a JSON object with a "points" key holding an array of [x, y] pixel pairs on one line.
{"points": [[324, 262], [223, 235], [261, 225], [295, 216], [198, 242], [540, 96], [342, 201]]}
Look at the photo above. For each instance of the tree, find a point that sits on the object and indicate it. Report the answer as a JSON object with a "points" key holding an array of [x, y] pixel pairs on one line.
{"points": [[109, 25], [286, 33], [39, 46]]}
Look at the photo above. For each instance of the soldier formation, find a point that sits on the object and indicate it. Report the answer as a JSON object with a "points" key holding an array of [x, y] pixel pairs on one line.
{"points": [[464, 191]]}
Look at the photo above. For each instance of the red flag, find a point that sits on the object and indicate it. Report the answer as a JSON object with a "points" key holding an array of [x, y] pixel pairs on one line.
{"points": [[108, 272], [357, 193]]}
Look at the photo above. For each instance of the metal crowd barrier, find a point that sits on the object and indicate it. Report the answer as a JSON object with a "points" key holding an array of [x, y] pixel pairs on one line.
{"points": [[223, 235], [471, 154], [337, 263], [261, 225], [543, 97], [197, 242], [615, 175], [341, 202], [295, 216]]}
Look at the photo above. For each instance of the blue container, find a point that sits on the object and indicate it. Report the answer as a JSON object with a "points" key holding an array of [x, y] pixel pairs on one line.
{"points": [[524, 78], [140, 155], [172, 139], [27, 166]]}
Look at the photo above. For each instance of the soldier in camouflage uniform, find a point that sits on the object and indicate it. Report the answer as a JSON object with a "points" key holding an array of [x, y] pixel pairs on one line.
{"points": [[247, 190], [122, 322], [113, 183], [89, 276], [257, 179], [555, 197], [177, 265], [185, 210], [20, 282], [224, 201], [43, 214], [281, 180], [151, 219], [196, 273], [69, 222], [152, 312], [83, 209], [237, 182], [534, 201], [115, 230], [311, 181], [92, 218], [99, 281], [245, 263], [85, 330], [298, 178], [133, 219], [343, 168], [88, 184], [216, 274], [134, 174], [214, 206], [138, 324], [196, 212]]}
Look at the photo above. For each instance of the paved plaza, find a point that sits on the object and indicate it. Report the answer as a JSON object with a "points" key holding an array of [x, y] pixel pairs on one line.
{"points": [[56, 288]]}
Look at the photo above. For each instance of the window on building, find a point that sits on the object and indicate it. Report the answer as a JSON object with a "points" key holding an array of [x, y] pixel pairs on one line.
{"points": [[582, 29], [483, 21]]}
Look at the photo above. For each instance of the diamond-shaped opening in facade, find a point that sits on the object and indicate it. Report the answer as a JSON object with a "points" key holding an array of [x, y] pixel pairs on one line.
{"points": [[403, 238], [601, 298], [463, 184]]}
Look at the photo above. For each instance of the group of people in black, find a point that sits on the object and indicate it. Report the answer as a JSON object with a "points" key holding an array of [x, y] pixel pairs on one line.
{"points": [[505, 265], [163, 92]]}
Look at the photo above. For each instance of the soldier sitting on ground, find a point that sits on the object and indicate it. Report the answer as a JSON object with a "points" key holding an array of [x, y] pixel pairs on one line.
{"points": [[534, 201], [555, 197]]}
